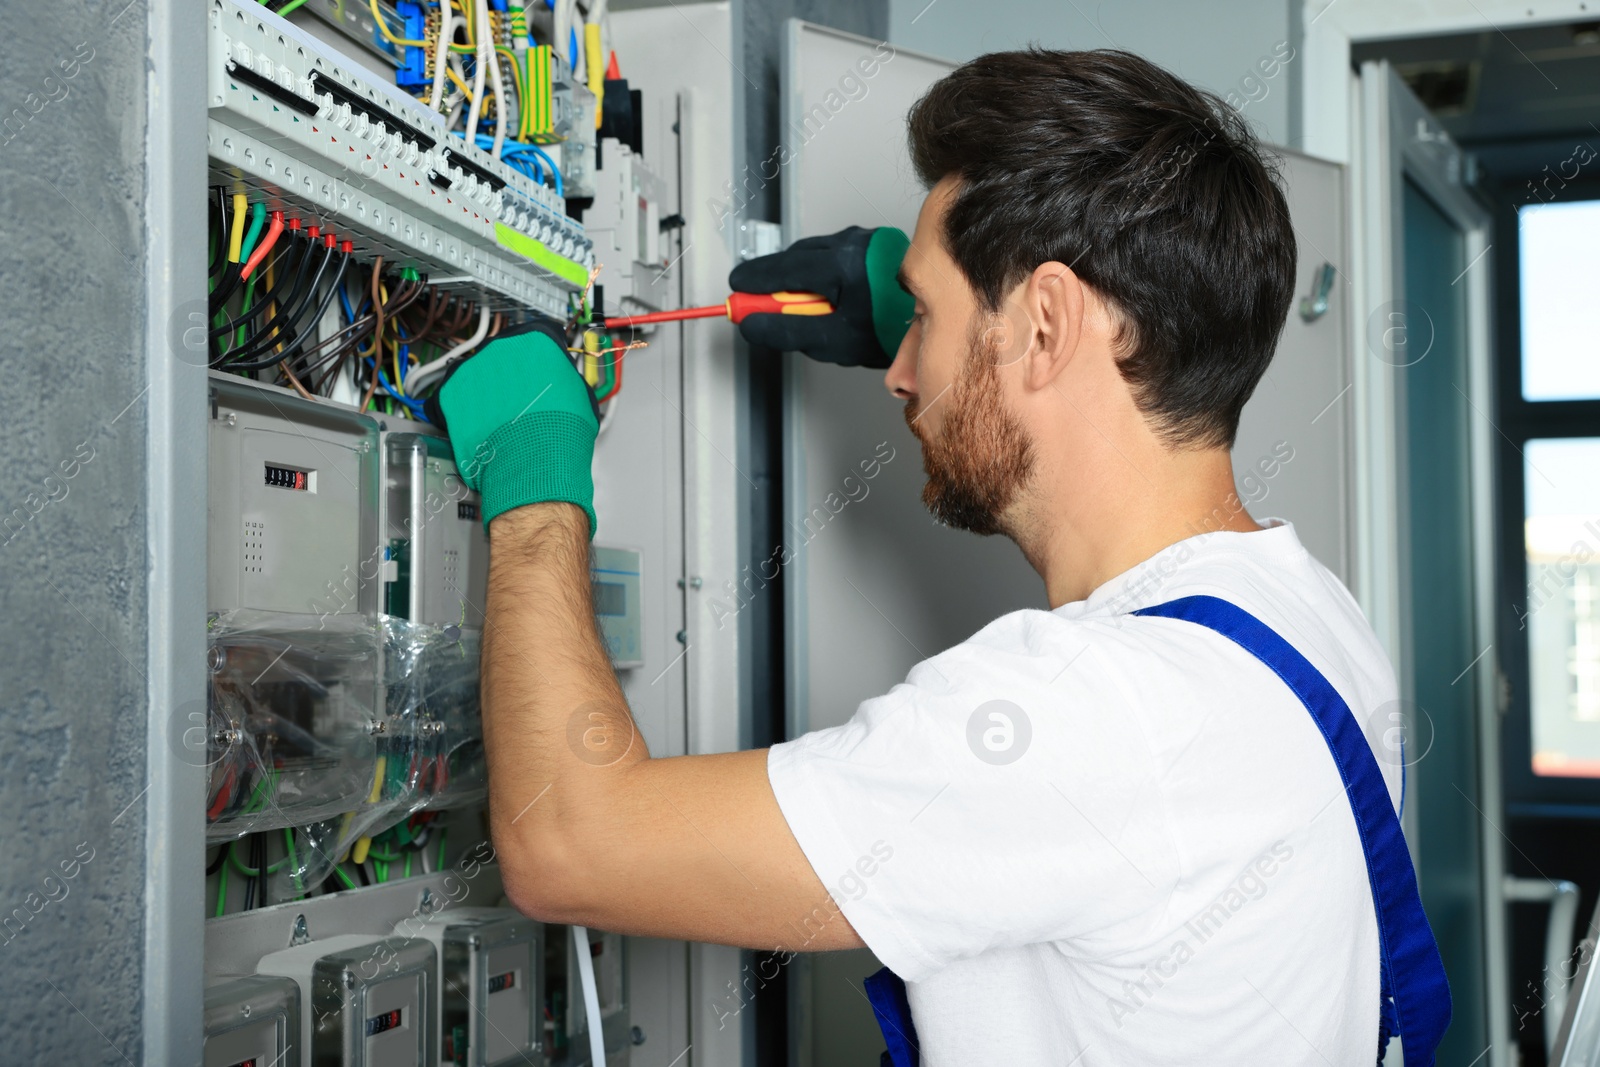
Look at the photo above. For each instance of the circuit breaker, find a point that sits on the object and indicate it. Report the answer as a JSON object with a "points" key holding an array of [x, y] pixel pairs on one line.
{"points": [[491, 986], [366, 1001], [254, 1022]]}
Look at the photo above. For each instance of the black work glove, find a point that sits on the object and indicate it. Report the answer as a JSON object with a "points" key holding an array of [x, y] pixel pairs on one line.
{"points": [[854, 270]]}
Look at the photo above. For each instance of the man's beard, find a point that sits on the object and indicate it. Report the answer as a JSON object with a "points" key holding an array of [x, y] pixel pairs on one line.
{"points": [[981, 457]]}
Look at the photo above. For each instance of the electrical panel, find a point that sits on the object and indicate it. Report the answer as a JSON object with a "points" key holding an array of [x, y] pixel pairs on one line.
{"points": [[491, 986], [363, 238], [253, 1021], [370, 1000], [292, 119]]}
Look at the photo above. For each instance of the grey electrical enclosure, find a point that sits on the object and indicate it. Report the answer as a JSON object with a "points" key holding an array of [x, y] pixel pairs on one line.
{"points": [[253, 1020], [293, 504], [434, 533], [370, 999], [491, 982]]}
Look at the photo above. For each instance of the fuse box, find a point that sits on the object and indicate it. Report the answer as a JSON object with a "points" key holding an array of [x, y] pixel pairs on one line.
{"points": [[367, 1002], [491, 986], [253, 1022]]}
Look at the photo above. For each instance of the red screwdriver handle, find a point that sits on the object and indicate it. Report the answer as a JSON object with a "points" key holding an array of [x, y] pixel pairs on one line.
{"points": [[784, 303]]}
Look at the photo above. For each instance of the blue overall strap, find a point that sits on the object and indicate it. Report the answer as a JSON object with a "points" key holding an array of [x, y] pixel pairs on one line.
{"points": [[888, 995], [1412, 972]]}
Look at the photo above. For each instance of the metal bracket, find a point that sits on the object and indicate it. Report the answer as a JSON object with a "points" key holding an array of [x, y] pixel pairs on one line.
{"points": [[1315, 306]]}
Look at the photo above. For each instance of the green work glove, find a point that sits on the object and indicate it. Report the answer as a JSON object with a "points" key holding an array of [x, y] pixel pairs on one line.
{"points": [[522, 422], [855, 270]]}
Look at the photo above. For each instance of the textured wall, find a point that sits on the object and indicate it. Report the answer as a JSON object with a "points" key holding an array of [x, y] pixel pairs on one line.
{"points": [[73, 595]]}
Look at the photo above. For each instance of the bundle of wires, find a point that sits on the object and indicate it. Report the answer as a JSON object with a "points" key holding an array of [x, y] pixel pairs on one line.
{"points": [[273, 283]]}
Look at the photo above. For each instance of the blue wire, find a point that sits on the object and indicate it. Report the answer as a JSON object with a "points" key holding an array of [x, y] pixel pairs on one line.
{"points": [[414, 406]]}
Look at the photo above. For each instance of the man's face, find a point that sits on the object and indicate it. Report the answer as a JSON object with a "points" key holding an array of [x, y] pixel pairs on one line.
{"points": [[974, 451]]}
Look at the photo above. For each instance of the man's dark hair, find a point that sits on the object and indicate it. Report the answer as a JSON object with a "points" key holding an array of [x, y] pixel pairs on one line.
{"points": [[1152, 191]]}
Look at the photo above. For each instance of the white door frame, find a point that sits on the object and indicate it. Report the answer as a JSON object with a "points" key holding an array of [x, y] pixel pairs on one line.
{"points": [[1339, 120]]}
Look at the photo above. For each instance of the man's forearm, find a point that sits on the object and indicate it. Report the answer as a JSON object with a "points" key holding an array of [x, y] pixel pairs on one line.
{"points": [[557, 730]]}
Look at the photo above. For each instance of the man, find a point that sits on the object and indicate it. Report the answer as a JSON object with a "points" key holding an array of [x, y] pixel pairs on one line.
{"points": [[1172, 867]]}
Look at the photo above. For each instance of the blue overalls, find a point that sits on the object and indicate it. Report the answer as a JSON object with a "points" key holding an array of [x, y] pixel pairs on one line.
{"points": [[1415, 997]]}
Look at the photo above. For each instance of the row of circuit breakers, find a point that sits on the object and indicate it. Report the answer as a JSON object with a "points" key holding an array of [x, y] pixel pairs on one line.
{"points": [[347, 561]]}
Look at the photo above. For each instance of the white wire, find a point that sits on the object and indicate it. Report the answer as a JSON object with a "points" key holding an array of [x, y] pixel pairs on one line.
{"points": [[501, 110], [480, 30], [441, 54], [591, 995], [428, 370]]}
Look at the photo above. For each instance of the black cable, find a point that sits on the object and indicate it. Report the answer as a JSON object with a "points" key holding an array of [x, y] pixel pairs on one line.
{"points": [[304, 248], [290, 308], [311, 324], [216, 865], [289, 312]]}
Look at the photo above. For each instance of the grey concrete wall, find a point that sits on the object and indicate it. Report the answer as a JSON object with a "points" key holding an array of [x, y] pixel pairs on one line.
{"points": [[101, 236], [1215, 45], [72, 552]]}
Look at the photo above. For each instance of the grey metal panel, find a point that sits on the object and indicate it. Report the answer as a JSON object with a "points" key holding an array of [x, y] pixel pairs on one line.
{"points": [[876, 585], [683, 57], [1302, 408], [174, 277]]}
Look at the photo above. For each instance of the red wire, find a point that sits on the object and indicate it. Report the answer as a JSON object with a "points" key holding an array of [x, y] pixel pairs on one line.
{"points": [[273, 230]]}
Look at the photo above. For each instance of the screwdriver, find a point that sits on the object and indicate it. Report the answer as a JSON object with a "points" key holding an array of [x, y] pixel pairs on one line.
{"points": [[737, 306]]}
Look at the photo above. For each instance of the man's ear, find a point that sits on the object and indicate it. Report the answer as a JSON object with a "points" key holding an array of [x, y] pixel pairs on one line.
{"points": [[1056, 304]]}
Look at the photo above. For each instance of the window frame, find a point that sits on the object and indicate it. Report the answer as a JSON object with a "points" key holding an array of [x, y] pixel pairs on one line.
{"points": [[1518, 421]]}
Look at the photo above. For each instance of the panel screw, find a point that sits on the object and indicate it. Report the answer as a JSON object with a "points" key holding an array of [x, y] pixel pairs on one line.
{"points": [[683, 637], [636, 1035], [300, 934], [231, 419]]}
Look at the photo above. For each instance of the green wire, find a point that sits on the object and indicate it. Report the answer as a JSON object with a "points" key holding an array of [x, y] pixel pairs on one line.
{"points": [[222, 890], [251, 872], [244, 307], [345, 878], [258, 218], [270, 782], [290, 6], [294, 860], [408, 865], [381, 869], [442, 831]]}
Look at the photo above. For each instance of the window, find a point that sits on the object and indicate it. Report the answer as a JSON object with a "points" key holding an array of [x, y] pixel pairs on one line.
{"points": [[1549, 470], [1560, 340]]}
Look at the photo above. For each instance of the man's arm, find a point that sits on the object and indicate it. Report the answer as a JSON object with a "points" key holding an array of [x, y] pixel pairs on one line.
{"points": [[587, 827]]}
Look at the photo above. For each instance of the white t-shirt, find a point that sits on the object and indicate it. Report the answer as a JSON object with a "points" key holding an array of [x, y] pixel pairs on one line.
{"points": [[1167, 871]]}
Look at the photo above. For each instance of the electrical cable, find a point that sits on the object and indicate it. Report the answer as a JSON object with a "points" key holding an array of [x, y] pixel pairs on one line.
{"points": [[310, 325], [441, 54], [277, 328], [480, 69], [388, 35], [428, 370], [258, 219], [501, 111], [301, 245], [274, 231]]}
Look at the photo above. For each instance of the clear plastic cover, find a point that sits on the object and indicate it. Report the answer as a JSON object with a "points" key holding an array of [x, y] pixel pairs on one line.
{"points": [[334, 729]]}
